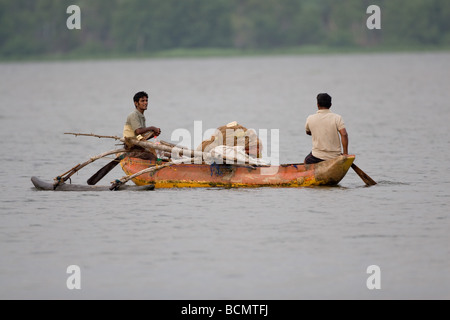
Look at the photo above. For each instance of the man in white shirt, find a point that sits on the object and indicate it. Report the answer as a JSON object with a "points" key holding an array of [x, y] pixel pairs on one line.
{"points": [[325, 128]]}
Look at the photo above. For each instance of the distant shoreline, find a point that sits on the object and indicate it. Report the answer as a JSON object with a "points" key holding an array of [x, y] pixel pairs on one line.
{"points": [[223, 52]]}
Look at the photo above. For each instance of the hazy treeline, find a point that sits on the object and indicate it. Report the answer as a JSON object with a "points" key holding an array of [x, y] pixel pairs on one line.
{"points": [[38, 27]]}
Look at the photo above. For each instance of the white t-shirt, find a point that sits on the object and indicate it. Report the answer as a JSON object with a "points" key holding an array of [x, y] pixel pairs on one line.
{"points": [[324, 127]]}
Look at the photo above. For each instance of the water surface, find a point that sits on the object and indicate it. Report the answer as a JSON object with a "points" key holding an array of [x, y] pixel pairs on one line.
{"points": [[304, 243]]}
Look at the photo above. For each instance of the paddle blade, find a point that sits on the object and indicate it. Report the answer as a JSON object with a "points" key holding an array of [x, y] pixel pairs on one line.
{"points": [[367, 180], [103, 172]]}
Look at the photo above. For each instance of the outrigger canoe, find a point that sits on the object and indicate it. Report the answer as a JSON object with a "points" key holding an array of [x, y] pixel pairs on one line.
{"points": [[326, 173]]}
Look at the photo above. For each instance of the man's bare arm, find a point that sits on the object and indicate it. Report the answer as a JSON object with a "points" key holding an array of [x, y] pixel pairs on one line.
{"points": [[139, 131], [344, 139]]}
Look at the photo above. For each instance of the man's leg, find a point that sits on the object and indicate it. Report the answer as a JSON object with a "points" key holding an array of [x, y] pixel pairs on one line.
{"points": [[310, 159]]}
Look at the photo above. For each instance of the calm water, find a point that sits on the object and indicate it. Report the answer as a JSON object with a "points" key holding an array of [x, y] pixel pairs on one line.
{"points": [[303, 243]]}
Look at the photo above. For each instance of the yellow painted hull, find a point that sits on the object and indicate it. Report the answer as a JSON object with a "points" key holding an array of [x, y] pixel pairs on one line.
{"points": [[329, 172]]}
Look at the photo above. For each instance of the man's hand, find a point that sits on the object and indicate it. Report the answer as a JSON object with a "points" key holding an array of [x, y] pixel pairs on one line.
{"points": [[156, 130]]}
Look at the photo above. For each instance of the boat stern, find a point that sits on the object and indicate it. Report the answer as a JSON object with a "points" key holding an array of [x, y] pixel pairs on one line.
{"points": [[331, 172]]}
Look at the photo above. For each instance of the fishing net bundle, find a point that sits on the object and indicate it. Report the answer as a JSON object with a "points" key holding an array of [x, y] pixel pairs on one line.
{"points": [[234, 135]]}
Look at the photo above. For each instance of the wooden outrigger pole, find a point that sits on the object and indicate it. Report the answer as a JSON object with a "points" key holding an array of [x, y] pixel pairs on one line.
{"points": [[66, 176]]}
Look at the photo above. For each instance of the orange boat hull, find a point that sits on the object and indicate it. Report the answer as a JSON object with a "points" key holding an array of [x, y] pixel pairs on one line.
{"points": [[328, 172]]}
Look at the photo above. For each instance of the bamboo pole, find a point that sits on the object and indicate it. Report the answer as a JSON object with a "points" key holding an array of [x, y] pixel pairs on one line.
{"points": [[167, 147], [118, 182], [178, 150], [92, 135], [119, 138], [164, 146], [65, 176]]}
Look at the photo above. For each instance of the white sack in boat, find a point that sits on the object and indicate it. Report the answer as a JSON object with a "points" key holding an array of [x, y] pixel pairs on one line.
{"points": [[236, 154], [222, 155]]}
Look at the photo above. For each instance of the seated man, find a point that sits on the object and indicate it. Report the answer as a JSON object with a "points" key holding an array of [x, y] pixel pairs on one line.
{"points": [[135, 126], [325, 128]]}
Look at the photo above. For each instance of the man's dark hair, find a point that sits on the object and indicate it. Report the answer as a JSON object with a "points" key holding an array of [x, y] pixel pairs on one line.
{"points": [[324, 100], [139, 95]]}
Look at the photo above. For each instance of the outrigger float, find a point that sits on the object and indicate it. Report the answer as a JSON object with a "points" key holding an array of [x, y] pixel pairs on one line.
{"points": [[43, 185]]}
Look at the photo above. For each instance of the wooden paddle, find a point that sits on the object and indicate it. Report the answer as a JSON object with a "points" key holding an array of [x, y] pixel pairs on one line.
{"points": [[111, 165], [367, 180], [104, 170]]}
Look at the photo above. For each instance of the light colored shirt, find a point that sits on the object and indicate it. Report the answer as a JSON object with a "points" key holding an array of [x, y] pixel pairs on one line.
{"points": [[324, 127], [135, 120]]}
